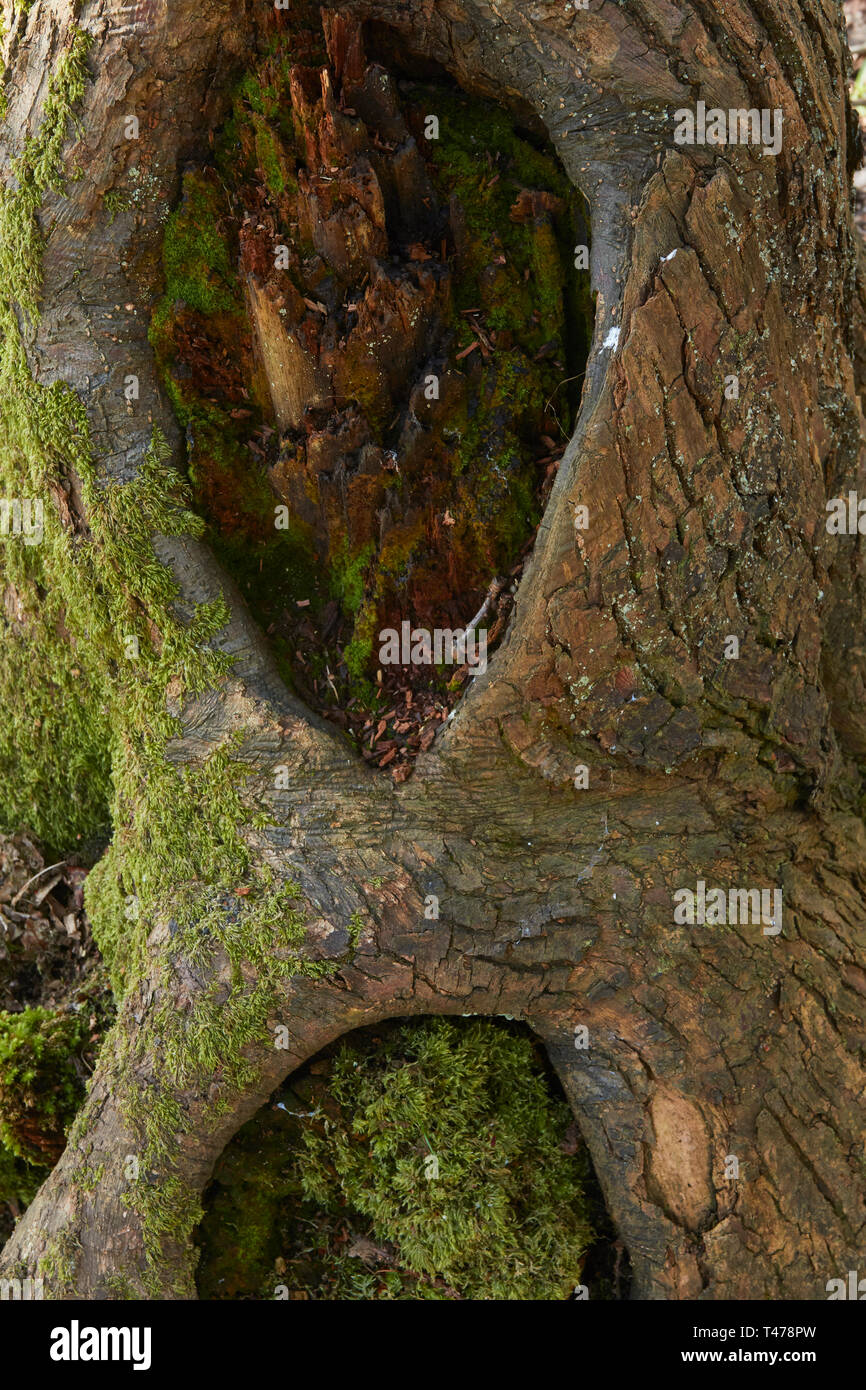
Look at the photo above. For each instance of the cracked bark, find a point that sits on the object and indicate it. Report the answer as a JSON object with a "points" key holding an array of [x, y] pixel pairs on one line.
{"points": [[705, 520]]}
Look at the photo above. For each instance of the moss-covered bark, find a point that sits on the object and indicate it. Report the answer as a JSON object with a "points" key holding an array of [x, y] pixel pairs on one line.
{"points": [[232, 904]]}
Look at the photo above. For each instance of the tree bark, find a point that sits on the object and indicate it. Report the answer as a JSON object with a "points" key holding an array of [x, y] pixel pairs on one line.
{"points": [[705, 520]]}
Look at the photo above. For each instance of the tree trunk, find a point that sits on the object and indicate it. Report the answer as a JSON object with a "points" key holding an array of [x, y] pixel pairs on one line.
{"points": [[706, 513]]}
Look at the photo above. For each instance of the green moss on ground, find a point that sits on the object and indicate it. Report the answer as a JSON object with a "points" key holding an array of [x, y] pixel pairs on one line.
{"points": [[330, 1192], [45, 1055], [19, 1181], [40, 1086]]}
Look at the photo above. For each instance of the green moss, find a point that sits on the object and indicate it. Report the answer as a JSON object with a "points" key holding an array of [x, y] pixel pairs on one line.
{"points": [[121, 1289], [45, 1054], [348, 574], [116, 654], [482, 159], [358, 652], [54, 735], [272, 158], [40, 1087], [198, 269], [351, 1156], [258, 132], [57, 1265], [503, 1219], [19, 1180], [115, 201]]}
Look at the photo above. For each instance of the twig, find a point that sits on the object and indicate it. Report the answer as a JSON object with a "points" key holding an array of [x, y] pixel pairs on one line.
{"points": [[495, 589], [21, 891], [564, 382], [493, 592]]}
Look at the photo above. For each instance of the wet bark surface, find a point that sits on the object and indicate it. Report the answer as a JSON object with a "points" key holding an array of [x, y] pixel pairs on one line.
{"points": [[705, 520]]}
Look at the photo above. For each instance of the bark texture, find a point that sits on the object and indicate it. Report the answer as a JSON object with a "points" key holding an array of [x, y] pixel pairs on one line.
{"points": [[705, 519]]}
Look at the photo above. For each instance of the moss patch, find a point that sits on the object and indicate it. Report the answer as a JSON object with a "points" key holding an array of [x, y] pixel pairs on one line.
{"points": [[40, 1087], [116, 655], [426, 1161], [45, 1057]]}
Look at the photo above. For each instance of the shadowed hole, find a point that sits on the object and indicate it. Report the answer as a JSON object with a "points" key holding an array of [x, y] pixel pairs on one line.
{"points": [[374, 336]]}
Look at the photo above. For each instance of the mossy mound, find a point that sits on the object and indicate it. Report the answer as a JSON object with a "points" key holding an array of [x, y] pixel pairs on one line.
{"points": [[427, 1160], [40, 1085], [46, 1055]]}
